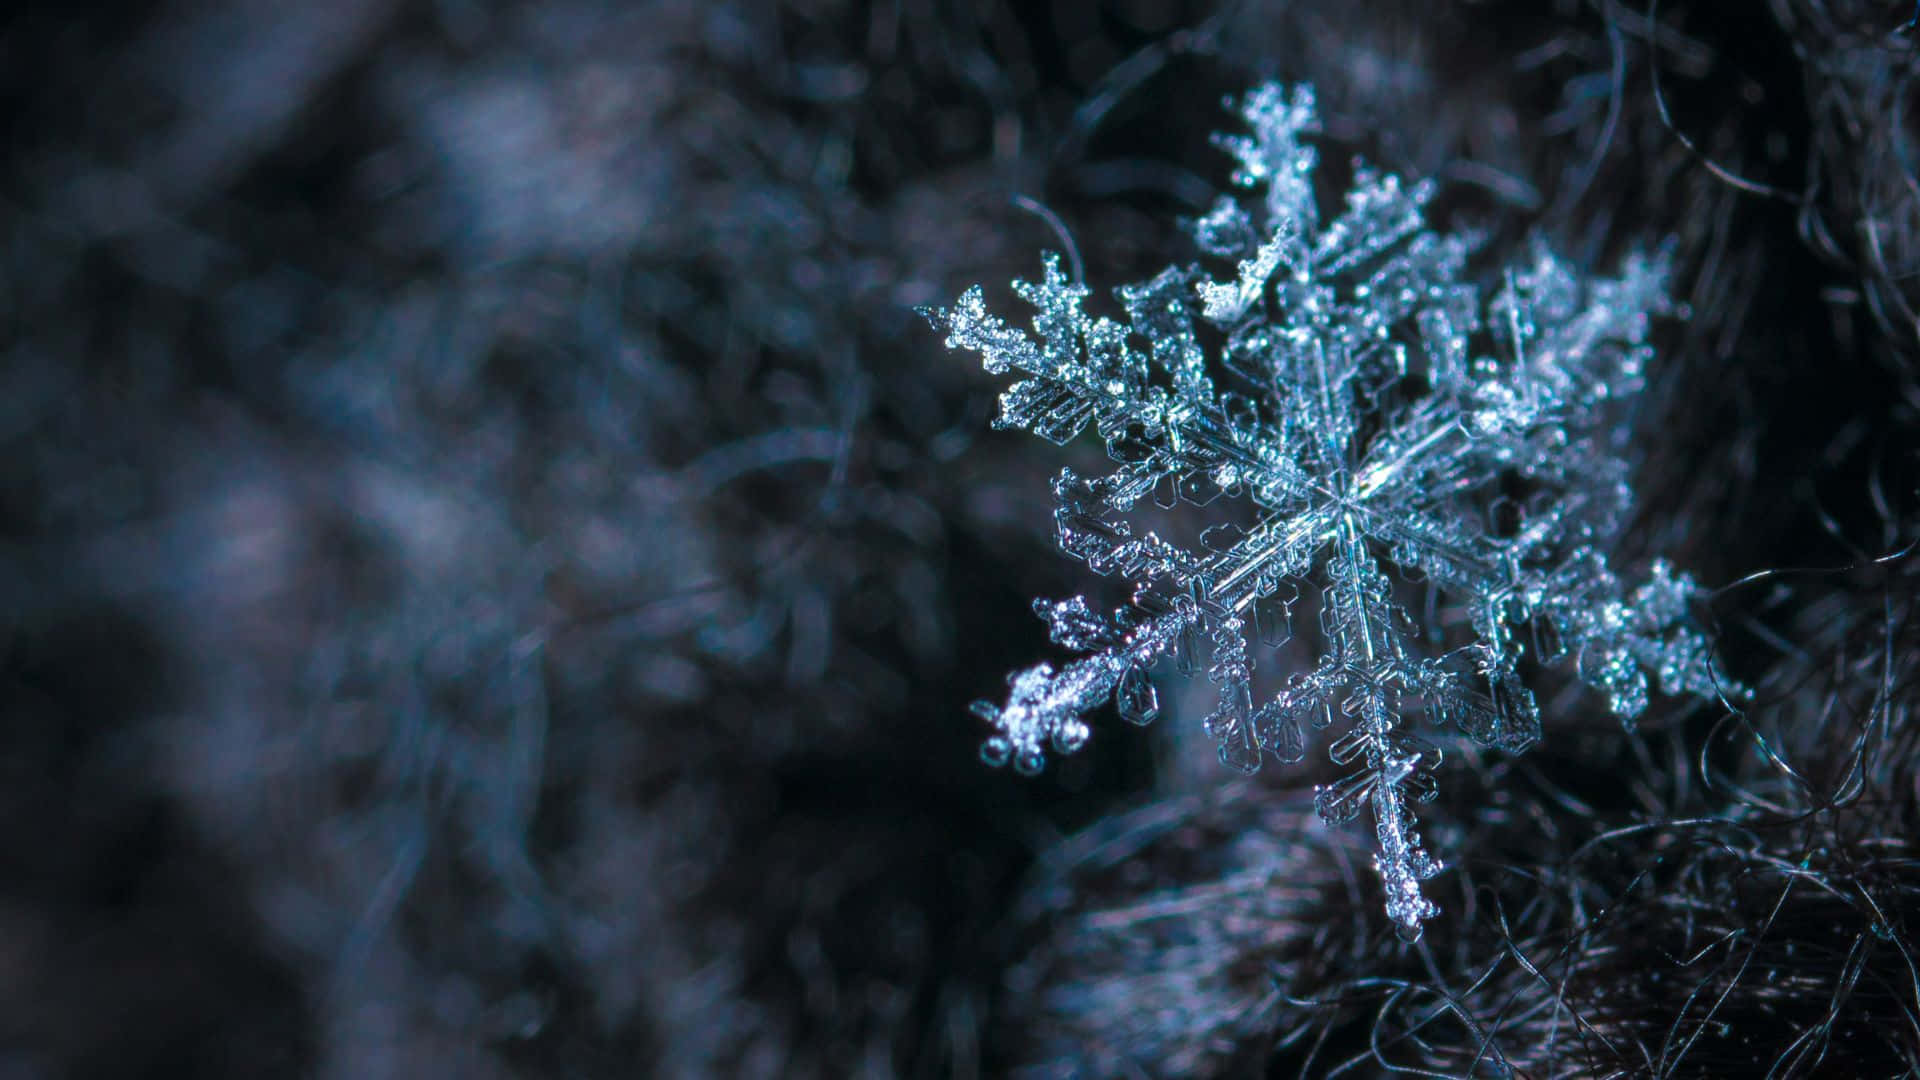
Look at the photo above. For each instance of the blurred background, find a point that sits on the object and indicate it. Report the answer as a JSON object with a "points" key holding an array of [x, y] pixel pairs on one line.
{"points": [[492, 568]]}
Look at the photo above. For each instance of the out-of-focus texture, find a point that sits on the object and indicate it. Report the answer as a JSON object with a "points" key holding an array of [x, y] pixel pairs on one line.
{"points": [[491, 567]]}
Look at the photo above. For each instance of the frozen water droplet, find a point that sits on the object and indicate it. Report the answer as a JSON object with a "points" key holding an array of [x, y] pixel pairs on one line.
{"points": [[1280, 733], [996, 750], [1136, 698], [1070, 736], [1239, 752]]}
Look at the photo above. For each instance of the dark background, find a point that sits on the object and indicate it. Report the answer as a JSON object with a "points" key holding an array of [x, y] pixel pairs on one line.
{"points": [[492, 568]]}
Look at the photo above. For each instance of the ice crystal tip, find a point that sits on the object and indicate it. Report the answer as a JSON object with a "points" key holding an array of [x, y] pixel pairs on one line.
{"points": [[1344, 399]]}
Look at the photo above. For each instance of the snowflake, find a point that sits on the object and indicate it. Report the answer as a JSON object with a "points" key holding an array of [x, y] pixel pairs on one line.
{"points": [[1352, 426]]}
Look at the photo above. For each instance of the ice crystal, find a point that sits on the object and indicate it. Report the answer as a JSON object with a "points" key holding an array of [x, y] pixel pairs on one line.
{"points": [[1363, 408]]}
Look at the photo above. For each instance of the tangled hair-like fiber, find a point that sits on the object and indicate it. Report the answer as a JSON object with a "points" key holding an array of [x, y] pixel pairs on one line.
{"points": [[1181, 920], [1771, 930], [490, 566], [1861, 193], [1757, 923]]}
